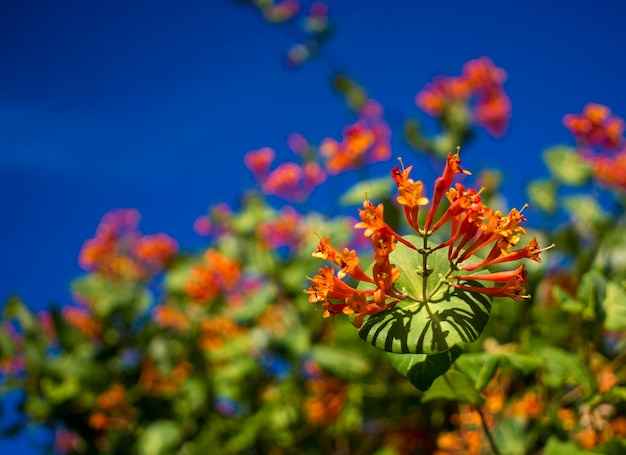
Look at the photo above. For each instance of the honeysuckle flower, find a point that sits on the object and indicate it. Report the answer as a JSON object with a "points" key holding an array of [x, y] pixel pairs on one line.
{"points": [[214, 275], [259, 162], [480, 87], [595, 127], [609, 170], [442, 183], [287, 229], [120, 251], [473, 228], [363, 142]]}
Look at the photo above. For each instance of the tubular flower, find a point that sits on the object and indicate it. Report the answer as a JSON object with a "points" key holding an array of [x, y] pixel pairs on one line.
{"points": [[120, 251], [474, 229], [113, 412], [610, 171], [595, 127], [288, 229], [259, 161], [216, 274], [289, 181], [363, 142], [480, 86]]}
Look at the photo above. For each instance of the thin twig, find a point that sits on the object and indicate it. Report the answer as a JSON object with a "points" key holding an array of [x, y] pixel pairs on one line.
{"points": [[492, 442]]}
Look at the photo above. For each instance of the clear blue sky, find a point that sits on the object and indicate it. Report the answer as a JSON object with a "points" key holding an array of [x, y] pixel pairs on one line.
{"points": [[149, 105]]}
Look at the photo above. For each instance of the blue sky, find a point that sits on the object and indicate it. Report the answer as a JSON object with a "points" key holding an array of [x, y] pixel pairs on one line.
{"points": [[150, 105]]}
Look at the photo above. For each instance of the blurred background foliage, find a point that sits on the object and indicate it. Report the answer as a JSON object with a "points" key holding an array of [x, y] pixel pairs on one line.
{"points": [[220, 350]]}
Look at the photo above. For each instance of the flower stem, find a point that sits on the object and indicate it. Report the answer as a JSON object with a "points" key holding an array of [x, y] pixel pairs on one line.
{"points": [[486, 430]]}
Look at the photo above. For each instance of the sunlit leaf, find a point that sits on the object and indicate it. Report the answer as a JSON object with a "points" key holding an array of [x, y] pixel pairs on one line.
{"points": [[510, 437], [421, 369], [453, 385], [479, 367], [555, 446], [374, 189], [615, 307], [159, 438], [585, 212], [523, 362], [566, 165], [449, 317], [340, 362], [564, 368], [542, 194]]}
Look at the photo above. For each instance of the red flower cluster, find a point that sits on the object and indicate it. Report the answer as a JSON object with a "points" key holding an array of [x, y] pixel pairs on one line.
{"points": [[480, 81], [217, 273], [595, 127], [288, 229], [363, 142], [289, 181], [600, 138], [473, 228], [112, 412], [120, 251]]}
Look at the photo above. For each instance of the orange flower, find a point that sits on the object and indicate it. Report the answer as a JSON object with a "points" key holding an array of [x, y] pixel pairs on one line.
{"points": [[168, 317], [112, 412], [119, 251], [155, 251], [480, 81], [410, 195], [216, 274], [609, 171], [293, 182], [363, 142], [259, 161], [595, 127], [218, 330], [288, 229], [156, 382], [83, 320], [327, 398]]}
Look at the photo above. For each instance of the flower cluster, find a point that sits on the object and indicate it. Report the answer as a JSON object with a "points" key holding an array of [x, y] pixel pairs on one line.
{"points": [[290, 181], [595, 127], [287, 230], [481, 83], [599, 137], [113, 412], [363, 142], [474, 228], [120, 251], [158, 383], [217, 273]]}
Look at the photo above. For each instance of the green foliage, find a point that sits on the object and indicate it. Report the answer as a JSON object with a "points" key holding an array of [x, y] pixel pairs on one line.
{"points": [[432, 318]]}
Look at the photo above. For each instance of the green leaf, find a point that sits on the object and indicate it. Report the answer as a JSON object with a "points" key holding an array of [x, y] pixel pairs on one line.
{"points": [[542, 193], [557, 447], [15, 309], [585, 212], [453, 385], [564, 368], [375, 189], [448, 317], [615, 307], [479, 367], [566, 165], [112, 295], [510, 437], [421, 369], [523, 362], [340, 362], [159, 438]]}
